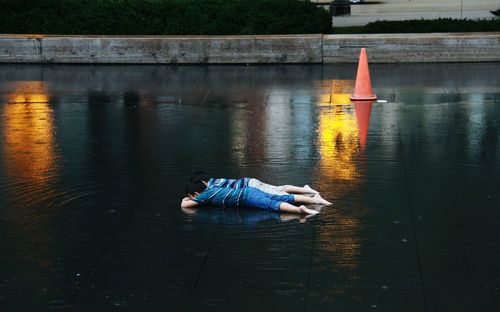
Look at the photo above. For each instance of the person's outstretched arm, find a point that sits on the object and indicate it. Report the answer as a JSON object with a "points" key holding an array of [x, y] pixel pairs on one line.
{"points": [[188, 203]]}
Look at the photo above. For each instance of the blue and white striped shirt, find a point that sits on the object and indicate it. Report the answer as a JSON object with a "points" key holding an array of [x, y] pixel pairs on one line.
{"points": [[221, 196], [228, 183]]}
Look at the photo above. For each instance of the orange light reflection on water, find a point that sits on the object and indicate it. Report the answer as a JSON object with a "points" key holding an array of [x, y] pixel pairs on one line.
{"points": [[338, 132], [29, 158], [337, 172], [28, 128]]}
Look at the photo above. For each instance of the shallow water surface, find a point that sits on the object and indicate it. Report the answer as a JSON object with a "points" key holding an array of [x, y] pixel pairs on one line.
{"points": [[94, 159]]}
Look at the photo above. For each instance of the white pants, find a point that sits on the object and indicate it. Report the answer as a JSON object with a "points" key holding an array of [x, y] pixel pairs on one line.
{"points": [[268, 188]]}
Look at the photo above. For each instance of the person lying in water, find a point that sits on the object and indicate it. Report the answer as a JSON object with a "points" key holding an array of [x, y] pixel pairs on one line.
{"points": [[198, 194], [251, 182]]}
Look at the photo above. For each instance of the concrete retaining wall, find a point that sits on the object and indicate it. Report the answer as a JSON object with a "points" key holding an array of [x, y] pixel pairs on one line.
{"points": [[387, 48], [411, 48], [161, 50]]}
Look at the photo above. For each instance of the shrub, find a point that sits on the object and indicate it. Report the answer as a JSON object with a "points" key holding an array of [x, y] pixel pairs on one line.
{"points": [[163, 17]]}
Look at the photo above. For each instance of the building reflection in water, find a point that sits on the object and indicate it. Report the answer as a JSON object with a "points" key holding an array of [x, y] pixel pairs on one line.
{"points": [[341, 136], [278, 125], [247, 128], [272, 127], [29, 157]]}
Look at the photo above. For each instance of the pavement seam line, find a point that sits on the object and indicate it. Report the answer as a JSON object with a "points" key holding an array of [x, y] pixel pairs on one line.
{"points": [[203, 263], [198, 276], [410, 206], [306, 294], [493, 175]]}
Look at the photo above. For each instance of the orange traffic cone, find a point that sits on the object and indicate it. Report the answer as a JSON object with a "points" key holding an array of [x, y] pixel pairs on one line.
{"points": [[363, 87]]}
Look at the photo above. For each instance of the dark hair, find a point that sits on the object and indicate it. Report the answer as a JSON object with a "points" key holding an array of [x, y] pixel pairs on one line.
{"points": [[193, 187], [199, 176]]}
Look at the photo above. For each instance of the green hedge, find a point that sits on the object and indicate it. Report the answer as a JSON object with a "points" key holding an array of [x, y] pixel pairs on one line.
{"points": [[423, 26], [162, 17]]}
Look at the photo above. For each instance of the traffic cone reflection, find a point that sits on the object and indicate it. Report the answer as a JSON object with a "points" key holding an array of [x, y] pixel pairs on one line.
{"points": [[363, 111], [363, 86]]}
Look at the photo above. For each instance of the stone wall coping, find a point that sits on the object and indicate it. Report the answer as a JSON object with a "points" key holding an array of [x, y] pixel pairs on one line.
{"points": [[250, 49]]}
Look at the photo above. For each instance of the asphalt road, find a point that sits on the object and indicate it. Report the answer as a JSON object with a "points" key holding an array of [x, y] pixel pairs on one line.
{"points": [[370, 11]]}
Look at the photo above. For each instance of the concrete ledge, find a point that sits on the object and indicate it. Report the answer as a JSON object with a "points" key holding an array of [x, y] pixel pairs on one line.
{"points": [[382, 48], [411, 48], [162, 50], [20, 49]]}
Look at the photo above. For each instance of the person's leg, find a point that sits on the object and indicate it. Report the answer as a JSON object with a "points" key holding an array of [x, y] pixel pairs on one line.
{"points": [[298, 199], [259, 199], [267, 188], [298, 190], [280, 189], [286, 207], [316, 199], [256, 198]]}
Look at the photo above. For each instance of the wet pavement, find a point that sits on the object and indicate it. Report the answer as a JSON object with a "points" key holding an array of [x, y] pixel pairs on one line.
{"points": [[93, 162]]}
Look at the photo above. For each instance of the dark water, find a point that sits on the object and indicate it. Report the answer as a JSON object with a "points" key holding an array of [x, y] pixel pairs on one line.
{"points": [[93, 162]]}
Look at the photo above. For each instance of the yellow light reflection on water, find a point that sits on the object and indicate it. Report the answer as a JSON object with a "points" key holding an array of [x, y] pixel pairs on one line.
{"points": [[338, 144], [28, 128], [29, 158], [338, 131], [28, 98], [27, 92], [335, 92]]}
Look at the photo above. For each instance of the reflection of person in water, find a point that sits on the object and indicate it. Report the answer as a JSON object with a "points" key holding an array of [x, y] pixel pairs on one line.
{"points": [[496, 12], [198, 194], [241, 216]]}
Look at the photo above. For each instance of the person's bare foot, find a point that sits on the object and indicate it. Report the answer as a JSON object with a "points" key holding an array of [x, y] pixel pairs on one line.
{"points": [[309, 189], [304, 209], [321, 200]]}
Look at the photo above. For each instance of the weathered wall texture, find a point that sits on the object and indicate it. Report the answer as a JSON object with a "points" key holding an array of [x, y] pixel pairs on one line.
{"points": [[382, 48], [160, 50], [19, 49], [410, 48]]}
